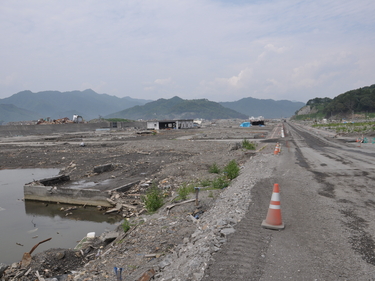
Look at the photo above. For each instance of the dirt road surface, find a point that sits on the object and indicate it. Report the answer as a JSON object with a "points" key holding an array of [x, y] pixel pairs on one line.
{"points": [[327, 204]]}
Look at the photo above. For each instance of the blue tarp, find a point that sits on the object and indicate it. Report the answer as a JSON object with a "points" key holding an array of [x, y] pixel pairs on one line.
{"points": [[245, 124]]}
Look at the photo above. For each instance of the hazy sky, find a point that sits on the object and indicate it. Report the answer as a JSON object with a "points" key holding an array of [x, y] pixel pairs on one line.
{"points": [[215, 49]]}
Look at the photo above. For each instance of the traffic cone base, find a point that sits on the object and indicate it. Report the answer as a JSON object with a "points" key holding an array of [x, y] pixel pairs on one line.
{"points": [[271, 226]]}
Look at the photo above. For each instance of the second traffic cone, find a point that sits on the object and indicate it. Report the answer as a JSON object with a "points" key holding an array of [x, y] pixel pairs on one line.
{"points": [[276, 151], [273, 219]]}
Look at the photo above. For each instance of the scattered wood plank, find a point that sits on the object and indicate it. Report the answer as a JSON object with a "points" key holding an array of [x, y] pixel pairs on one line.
{"points": [[115, 209], [179, 203], [129, 206]]}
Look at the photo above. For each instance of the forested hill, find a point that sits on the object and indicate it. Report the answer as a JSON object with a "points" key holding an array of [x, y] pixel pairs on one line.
{"points": [[177, 108], [360, 100]]}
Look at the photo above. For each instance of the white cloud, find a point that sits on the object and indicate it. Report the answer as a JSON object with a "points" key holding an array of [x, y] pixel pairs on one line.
{"points": [[163, 81], [234, 81], [8, 80]]}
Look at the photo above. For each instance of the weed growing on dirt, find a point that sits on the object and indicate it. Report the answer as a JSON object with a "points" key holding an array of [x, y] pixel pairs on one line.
{"points": [[184, 191], [125, 225], [232, 170], [220, 182], [205, 182], [249, 145], [214, 169], [211, 194], [153, 199]]}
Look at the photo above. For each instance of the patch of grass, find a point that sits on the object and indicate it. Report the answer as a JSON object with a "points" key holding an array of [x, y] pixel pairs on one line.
{"points": [[232, 170], [249, 145], [153, 199], [214, 169], [184, 191], [211, 194], [205, 182], [125, 225]]}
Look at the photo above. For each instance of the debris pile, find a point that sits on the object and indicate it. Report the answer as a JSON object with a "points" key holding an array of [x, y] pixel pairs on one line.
{"points": [[64, 120]]}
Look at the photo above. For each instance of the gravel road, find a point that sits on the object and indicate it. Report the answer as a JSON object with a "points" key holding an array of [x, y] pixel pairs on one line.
{"points": [[327, 206]]}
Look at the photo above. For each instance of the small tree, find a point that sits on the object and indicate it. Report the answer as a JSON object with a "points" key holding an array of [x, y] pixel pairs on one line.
{"points": [[153, 199], [232, 170]]}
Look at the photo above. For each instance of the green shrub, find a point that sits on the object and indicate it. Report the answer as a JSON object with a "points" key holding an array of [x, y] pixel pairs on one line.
{"points": [[153, 199], [214, 169], [220, 182], [232, 170], [249, 145], [184, 191], [125, 225]]}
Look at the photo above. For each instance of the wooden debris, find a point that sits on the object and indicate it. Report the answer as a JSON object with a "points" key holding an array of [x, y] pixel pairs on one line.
{"points": [[180, 203], [147, 275], [111, 202], [115, 209], [156, 255], [39, 277], [129, 206]]}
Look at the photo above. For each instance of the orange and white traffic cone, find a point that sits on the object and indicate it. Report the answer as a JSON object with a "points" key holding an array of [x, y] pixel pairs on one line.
{"points": [[276, 151], [273, 220]]}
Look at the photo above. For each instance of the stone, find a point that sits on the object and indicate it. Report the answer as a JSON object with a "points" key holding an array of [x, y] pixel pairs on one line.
{"points": [[103, 168], [226, 231], [60, 255], [3, 267], [108, 237]]}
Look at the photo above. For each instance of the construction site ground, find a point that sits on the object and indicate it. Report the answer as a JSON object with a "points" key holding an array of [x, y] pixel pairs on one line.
{"points": [[326, 198]]}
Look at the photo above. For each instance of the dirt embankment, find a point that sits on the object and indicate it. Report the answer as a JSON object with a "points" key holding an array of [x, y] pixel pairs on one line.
{"points": [[169, 159]]}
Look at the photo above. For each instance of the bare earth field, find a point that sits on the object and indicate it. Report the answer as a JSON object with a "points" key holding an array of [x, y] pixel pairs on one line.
{"points": [[169, 158], [326, 189]]}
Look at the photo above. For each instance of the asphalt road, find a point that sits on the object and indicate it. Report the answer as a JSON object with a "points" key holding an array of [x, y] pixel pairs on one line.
{"points": [[327, 205]]}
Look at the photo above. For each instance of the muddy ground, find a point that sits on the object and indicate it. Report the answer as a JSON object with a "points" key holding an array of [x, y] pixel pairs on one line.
{"points": [[168, 159]]}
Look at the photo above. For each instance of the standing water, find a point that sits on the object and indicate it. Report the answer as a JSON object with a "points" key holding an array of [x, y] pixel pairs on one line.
{"points": [[24, 224]]}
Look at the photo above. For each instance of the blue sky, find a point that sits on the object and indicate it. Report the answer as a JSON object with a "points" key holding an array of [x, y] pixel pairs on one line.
{"points": [[215, 49]]}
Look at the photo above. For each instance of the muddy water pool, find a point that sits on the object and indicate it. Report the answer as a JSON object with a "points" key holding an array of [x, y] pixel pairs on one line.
{"points": [[24, 224]]}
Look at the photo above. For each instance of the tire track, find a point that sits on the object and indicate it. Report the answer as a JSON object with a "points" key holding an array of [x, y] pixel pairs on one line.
{"points": [[242, 258]]}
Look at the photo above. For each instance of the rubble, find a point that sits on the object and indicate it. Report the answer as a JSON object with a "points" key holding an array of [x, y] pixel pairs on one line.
{"points": [[176, 241]]}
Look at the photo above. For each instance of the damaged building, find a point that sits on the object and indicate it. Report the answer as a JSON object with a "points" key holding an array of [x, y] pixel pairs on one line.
{"points": [[170, 124]]}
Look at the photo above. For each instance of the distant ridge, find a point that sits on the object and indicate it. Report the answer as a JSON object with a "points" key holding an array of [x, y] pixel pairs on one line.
{"points": [[177, 108], [55, 104], [90, 105], [10, 112]]}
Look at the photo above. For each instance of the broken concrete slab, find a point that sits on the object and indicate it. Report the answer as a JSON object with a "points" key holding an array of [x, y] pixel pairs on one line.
{"points": [[103, 168]]}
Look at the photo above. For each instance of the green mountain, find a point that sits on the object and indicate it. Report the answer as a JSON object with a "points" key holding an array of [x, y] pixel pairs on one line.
{"points": [[10, 112], [358, 101], [177, 108], [55, 104], [267, 108]]}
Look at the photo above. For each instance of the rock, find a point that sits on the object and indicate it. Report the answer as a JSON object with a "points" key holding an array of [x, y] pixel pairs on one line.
{"points": [[226, 231], [167, 261], [108, 237], [3, 267], [60, 255], [147, 275], [103, 168]]}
